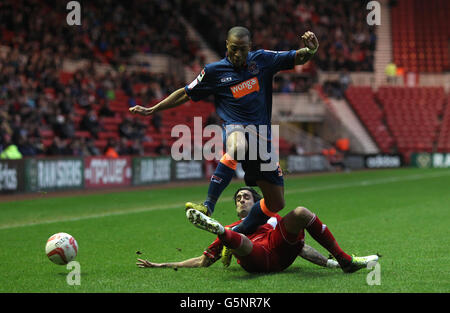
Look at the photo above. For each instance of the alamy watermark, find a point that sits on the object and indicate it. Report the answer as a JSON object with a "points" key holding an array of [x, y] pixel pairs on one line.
{"points": [[74, 16], [74, 276], [373, 278], [374, 16], [261, 142]]}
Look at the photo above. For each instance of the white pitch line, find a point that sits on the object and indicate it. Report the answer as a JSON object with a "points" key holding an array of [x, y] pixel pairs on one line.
{"points": [[363, 183]]}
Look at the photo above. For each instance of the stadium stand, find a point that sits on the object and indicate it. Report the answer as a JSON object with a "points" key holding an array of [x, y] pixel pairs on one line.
{"points": [[362, 100], [443, 143], [43, 107], [106, 34], [420, 34], [345, 43], [50, 111], [411, 114]]}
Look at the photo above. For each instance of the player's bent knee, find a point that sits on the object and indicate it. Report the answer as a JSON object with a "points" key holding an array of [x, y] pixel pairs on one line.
{"points": [[245, 248], [303, 213]]}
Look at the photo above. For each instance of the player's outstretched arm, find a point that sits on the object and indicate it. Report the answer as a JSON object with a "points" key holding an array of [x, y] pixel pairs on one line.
{"points": [[201, 261], [314, 256], [176, 98], [311, 45]]}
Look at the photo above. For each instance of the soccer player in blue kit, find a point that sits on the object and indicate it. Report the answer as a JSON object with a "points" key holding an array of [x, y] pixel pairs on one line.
{"points": [[242, 87]]}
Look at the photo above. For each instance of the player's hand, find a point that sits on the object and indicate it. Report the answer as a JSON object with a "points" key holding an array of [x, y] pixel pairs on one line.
{"points": [[310, 41], [145, 263], [137, 109]]}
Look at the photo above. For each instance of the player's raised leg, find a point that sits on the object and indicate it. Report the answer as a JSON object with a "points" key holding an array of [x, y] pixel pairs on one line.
{"points": [[239, 243], [301, 218]]}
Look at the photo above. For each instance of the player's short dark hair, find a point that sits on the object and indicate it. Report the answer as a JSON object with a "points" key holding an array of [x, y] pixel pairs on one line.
{"points": [[255, 194], [239, 32]]}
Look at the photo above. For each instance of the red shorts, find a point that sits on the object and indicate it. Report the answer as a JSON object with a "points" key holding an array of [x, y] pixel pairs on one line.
{"points": [[274, 251]]}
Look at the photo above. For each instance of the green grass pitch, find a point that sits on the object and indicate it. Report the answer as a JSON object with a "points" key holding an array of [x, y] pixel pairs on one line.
{"points": [[402, 214]]}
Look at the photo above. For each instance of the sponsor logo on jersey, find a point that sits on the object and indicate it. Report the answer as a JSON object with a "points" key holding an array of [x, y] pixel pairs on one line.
{"points": [[245, 88]]}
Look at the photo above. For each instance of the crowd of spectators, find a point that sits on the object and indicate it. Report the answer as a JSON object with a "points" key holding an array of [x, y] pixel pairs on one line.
{"points": [[35, 41], [33, 99], [346, 41], [110, 31]]}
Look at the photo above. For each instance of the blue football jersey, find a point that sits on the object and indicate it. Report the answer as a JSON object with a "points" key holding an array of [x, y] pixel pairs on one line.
{"points": [[242, 97]]}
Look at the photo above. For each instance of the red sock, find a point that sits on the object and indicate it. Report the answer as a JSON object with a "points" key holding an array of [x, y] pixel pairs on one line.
{"points": [[322, 235], [231, 239]]}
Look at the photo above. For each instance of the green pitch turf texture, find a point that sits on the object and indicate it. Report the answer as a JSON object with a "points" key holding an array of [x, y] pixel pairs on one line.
{"points": [[404, 215]]}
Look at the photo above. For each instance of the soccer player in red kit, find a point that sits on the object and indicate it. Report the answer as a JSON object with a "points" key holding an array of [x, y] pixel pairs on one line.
{"points": [[274, 246]]}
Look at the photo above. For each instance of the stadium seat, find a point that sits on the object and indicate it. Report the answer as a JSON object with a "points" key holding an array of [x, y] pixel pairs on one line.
{"points": [[411, 115], [362, 100], [420, 34]]}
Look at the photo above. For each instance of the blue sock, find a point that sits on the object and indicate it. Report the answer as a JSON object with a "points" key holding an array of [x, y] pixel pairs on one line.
{"points": [[219, 181], [255, 218]]}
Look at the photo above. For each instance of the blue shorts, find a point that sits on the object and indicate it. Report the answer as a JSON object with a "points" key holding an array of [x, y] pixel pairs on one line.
{"points": [[259, 162], [253, 173]]}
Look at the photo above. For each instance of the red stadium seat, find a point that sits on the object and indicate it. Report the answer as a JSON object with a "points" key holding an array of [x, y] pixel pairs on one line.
{"points": [[410, 114], [419, 35]]}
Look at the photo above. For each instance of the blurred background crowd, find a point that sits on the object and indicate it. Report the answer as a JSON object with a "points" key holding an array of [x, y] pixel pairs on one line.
{"points": [[39, 104]]}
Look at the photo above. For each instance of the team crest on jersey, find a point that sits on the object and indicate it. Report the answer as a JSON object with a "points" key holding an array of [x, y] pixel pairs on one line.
{"points": [[253, 68]]}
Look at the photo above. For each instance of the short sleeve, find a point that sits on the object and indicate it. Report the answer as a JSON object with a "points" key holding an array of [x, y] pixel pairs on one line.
{"points": [[201, 87], [279, 60]]}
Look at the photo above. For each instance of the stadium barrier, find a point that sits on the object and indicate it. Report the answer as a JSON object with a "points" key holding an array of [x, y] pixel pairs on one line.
{"points": [[354, 162], [383, 161], [107, 172], [306, 163], [75, 173], [148, 170], [45, 174], [12, 178], [430, 160], [187, 170]]}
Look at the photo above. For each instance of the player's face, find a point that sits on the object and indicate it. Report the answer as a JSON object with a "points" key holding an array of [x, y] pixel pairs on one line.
{"points": [[238, 49], [244, 203]]}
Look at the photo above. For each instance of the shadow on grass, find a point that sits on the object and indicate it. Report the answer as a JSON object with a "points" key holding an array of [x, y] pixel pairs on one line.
{"points": [[298, 271], [65, 274]]}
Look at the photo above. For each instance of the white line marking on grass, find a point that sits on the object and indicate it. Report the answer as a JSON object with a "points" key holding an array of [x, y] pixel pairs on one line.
{"points": [[362, 183]]}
